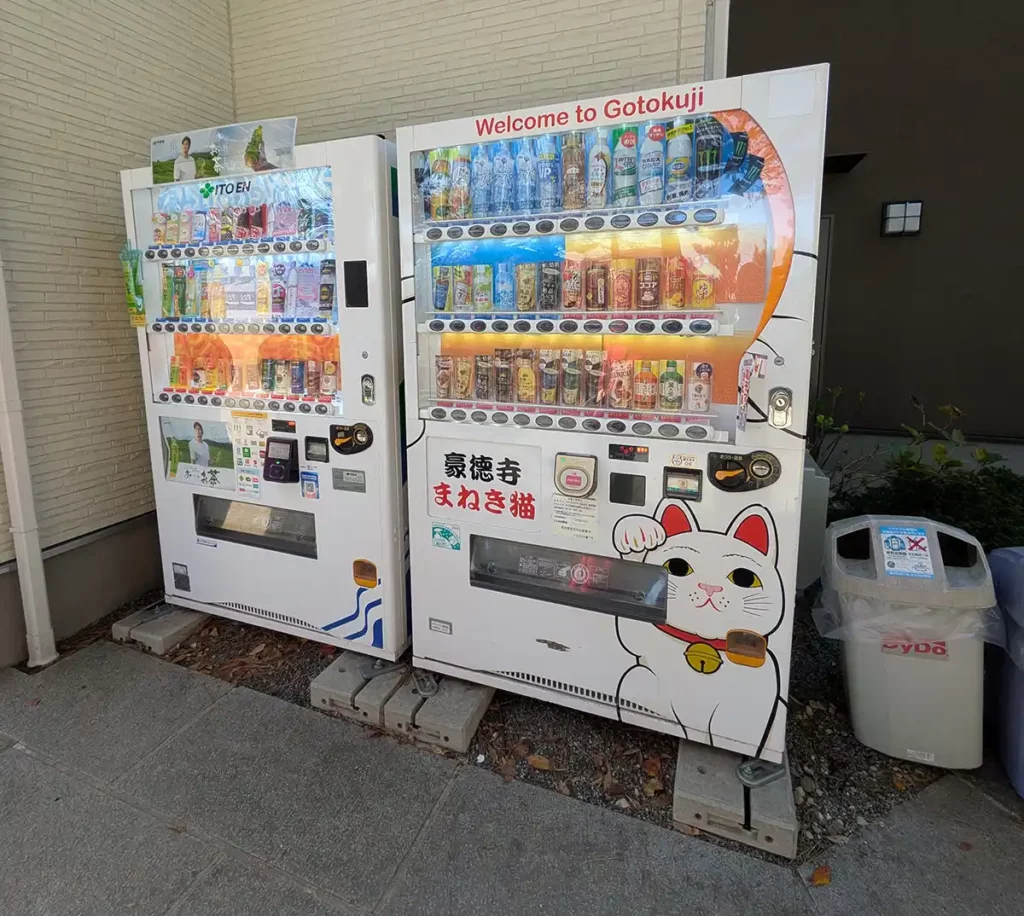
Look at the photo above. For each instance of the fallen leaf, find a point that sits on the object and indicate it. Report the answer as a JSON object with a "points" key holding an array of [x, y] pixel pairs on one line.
{"points": [[522, 749], [661, 801], [653, 786], [507, 768], [614, 789], [538, 762], [651, 766], [213, 631], [33, 702], [689, 831], [563, 787], [598, 760], [821, 876], [256, 650], [327, 650], [898, 783], [966, 847]]}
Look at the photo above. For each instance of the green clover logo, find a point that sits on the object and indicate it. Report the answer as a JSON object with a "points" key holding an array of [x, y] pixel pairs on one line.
{"points": [[206, 190]]}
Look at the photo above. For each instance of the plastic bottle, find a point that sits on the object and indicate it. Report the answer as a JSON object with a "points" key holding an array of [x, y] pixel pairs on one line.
{"points": [[679, 161], [598, 168], [503, 167], [504, 288], [526, 177], [624, 167], [278, 291], [263, 292], [574, 165], [440, 184], [481, 174], [291, 295], [671, 388], [549, 178], [459, 197], [651, 167]]}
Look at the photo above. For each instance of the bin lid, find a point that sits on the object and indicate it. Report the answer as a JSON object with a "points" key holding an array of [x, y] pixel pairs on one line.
{"points": [[907, 559], [1007, 565]]}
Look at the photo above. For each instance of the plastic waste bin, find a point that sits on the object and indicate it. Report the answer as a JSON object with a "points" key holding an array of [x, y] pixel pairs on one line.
{"points": [[1007, 566], [912, 600]]}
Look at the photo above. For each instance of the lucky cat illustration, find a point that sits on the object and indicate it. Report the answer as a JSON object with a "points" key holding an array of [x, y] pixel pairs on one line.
{"points": [[708, 666]]}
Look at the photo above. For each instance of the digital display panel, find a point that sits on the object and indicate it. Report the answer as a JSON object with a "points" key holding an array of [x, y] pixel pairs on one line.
{"points": [[279, 450], [628, 452]]}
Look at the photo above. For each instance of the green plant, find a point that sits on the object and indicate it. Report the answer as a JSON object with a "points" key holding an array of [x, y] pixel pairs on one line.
{"points": [[944, 460], [824, 434]]}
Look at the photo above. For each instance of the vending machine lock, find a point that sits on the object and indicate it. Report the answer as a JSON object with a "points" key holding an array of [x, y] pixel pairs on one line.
{"points": [[575, 475], [349, 440], [740, 473], [369, 390], [281, 464], [780, 407]]}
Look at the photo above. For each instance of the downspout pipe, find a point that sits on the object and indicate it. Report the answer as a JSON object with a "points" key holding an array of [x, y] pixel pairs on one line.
{"points": [[21, 504]]}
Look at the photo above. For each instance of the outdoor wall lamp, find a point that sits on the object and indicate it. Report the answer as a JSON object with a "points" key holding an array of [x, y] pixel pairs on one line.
{"points": [[901, 218]]}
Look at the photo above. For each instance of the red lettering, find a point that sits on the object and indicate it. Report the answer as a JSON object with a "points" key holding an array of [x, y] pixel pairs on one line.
{"points": [[629, 109], [667, 102], [939, 648], [529, 123], [484, 126], [499, 127], [563, 117], [922, 648], [906, 647], [612, 108], [516, 125], [442, 494], [652, 106]]}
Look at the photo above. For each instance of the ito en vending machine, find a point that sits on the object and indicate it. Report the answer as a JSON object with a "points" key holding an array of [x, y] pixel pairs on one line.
{"points": [[271, 385], [608, 314]]}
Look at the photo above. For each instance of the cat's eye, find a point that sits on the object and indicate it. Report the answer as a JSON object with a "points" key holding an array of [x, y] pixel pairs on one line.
{"points": [[744, 578], [677, 566]]}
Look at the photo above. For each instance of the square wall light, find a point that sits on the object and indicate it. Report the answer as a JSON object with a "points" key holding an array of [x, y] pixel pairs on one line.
{"points": [[901, 217]]}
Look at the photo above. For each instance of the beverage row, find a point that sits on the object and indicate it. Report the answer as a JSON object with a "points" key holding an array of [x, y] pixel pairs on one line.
{"points": [[649, 164], [574, 378], [251, 289], [266, 376], [575, 284], [252, 223]]}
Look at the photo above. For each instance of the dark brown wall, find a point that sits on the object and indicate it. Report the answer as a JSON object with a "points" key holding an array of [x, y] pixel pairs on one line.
{"points": [[927, 96]]}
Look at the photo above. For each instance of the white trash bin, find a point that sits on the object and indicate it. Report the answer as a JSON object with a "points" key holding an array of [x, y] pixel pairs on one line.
{"points": [[913, 602]]}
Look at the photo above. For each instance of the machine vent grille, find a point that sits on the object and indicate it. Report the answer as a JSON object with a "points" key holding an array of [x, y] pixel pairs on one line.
{"points": [[583, 692], [268, 615]]}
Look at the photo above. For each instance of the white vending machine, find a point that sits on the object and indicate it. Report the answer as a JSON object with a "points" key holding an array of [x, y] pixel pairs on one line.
{"points": [[272, 382], [608, 311]]}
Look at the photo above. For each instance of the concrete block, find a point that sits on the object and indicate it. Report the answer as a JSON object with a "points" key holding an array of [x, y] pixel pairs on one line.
{"points": [[450, 718], [400, 711], [335, 689], [162, 632], [371, 701], [709, 796], [121, 631]]}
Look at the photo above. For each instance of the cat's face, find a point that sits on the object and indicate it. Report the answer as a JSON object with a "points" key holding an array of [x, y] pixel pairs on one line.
{"points": [[720, 582]]}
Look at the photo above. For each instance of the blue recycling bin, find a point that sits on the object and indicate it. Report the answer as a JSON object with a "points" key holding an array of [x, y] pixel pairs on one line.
{"points": [[1007, 565]]}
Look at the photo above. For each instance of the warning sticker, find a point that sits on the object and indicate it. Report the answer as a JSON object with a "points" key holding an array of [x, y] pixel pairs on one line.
{"points": [[906, 552], [573, 517]]}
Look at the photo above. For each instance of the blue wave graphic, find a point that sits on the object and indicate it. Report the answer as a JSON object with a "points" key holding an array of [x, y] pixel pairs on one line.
{"points": [[353, 615], [366, 620]]}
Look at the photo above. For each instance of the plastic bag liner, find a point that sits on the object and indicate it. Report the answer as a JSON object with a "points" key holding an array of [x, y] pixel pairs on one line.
{"points": [[1007, 565], [854, 617]]}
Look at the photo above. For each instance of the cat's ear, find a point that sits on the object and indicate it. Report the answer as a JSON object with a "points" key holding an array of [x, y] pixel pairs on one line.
{"points": [[676, 517], [755, 527]]}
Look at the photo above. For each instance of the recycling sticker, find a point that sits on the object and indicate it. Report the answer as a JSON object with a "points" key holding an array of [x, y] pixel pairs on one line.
{"points": [[906, 552]]}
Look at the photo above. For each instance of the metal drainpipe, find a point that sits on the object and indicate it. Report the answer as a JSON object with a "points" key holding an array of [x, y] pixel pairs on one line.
{"points": [[21, 504]]}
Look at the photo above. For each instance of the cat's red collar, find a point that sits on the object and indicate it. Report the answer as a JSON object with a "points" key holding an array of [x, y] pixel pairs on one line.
{"points": [[686, 636]]}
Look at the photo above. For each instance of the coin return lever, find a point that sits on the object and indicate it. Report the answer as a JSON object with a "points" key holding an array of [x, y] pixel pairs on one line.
{"points": [[575, 475]]}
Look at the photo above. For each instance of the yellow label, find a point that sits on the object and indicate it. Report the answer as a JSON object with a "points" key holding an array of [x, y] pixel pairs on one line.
{"points": [[248, 415], [680, 130]]}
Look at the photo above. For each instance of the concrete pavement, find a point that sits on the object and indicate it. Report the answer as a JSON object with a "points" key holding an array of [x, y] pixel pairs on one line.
{"points": [[129, 785]]}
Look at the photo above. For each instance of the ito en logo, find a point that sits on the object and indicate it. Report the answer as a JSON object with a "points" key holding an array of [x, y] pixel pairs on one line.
{"points": [[206, 190]]}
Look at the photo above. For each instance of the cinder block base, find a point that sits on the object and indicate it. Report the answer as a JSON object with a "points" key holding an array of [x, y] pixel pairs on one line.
{"points": [[449, 719], [158, 629], [709, 796]]}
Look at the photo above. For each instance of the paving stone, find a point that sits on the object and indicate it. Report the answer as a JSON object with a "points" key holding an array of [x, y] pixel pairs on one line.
{"points": [[162, 632], [450, 718], [371, 701], [708, 795], [102, 708], [519, 850], [950, 851], [316, 798], [334, 690], [400, 710], [68, 850], [233, 887]]}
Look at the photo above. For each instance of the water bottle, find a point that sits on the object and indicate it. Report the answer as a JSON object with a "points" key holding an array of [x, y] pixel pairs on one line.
{"points": [[504, 288], [503, 180], [549, 177], [651, 166], [526, 177], [482, 174]]}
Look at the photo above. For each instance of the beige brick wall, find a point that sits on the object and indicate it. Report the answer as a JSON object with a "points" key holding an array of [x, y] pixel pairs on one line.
{"points": [[348, 67], [84, 84]]}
